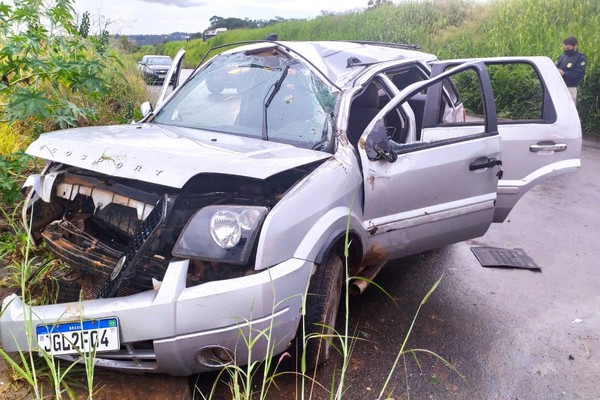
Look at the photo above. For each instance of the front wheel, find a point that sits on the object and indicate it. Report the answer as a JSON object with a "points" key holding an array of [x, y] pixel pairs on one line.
{"points": [[322, 303]]}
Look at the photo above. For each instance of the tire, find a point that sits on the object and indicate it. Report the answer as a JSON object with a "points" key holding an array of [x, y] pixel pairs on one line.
{"points": [[322, 304]]}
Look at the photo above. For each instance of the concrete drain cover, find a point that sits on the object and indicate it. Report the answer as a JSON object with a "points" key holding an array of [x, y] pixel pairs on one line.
{"points": [[504, 258]]}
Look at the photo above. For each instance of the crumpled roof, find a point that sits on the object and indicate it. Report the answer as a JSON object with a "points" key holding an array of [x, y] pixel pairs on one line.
{"points": [[331, 57]]}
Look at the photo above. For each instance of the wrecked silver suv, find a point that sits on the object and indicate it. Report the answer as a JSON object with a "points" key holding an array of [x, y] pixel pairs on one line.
{"points": [[213, 217]]}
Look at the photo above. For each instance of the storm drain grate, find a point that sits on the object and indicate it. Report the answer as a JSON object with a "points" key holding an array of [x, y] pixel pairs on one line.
{"points": [[504, 258]]}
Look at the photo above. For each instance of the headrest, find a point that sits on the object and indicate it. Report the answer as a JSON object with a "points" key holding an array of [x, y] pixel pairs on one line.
{"points": [[406, 78], [369, 98]]}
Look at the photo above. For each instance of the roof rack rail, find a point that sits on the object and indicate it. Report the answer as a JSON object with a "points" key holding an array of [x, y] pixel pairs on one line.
{"points": [[389, 44]]}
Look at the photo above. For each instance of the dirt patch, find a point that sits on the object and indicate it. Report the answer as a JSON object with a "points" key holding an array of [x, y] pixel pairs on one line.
{"points": [[142, 387]]}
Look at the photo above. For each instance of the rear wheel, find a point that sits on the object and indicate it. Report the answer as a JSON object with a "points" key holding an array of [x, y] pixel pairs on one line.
{"points": [[322, 303]]}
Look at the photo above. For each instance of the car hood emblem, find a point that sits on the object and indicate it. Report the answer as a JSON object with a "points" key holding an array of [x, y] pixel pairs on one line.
{"points": [[168, 155]]}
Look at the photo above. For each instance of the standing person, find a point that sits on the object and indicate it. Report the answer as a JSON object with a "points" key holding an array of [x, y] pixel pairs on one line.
{"points": [[571, 65]]}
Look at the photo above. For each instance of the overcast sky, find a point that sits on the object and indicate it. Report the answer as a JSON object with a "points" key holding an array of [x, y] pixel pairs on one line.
{"points": [[166, 16]]}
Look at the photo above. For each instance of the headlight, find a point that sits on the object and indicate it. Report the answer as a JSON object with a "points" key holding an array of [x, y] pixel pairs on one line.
{"points": [[221, 233], [225, 229]]}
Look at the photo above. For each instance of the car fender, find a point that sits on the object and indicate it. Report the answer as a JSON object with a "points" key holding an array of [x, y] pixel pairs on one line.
{"points": [[327, 231], [314, 211]]}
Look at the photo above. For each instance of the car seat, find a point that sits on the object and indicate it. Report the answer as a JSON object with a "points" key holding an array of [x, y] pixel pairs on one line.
{"points": [[364, 108]]}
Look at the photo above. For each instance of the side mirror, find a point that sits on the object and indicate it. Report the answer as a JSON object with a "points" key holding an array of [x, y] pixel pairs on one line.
{"points": [[384, 151], [378, 144], [146, 108]]}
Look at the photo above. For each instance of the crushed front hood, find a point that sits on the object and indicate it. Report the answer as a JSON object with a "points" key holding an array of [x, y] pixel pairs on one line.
{"points": [[168, 155]]}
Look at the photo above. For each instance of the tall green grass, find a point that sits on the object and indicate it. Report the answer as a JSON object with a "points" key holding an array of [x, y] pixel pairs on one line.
{"points": [[524, 27], [534, 27]]}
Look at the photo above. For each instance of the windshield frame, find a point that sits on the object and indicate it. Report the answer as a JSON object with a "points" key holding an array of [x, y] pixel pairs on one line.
{"points": [[315, 132]]}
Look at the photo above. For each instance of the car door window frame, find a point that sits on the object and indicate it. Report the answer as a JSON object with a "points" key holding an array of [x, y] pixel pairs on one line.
{"points": [[432, 108], [549, 114]]}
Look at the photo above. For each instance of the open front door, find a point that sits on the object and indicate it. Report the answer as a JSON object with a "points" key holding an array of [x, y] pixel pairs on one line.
{"points": [[434, 190], [538, 123], [172, 78]]}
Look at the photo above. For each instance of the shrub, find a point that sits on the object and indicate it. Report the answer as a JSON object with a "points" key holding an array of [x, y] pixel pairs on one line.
{"points": [[54, 74], [12, 171]]}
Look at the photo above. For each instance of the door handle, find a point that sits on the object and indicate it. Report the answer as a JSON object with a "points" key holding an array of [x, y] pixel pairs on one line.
{"points": [[484, 162], [547, 146]]}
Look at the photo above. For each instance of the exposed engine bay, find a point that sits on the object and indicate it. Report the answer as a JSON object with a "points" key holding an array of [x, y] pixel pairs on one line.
{"points": [[116, 236]]}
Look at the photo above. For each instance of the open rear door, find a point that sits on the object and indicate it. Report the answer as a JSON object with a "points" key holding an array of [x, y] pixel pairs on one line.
{"points": [[538, 123]]}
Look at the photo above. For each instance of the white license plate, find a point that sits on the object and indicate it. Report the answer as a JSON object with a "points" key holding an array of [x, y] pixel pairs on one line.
{"points": [[162, 75], [79, 337]]}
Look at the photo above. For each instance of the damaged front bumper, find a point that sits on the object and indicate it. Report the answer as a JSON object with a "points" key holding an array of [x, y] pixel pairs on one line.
{"points": [[181, 330]]}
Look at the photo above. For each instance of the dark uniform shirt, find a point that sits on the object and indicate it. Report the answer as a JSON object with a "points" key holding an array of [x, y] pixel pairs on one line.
{"points": [[573, 66]]}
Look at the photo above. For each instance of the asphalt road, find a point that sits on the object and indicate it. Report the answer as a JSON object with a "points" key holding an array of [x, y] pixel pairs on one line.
{"points": [[512, 334]]}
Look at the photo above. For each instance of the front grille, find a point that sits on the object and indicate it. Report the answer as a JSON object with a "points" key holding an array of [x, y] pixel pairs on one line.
{"points": [[135, 250], [82, 251]]}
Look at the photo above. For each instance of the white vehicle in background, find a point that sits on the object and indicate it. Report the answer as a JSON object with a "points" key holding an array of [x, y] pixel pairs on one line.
{"points": [[212, 218], [154, 68]]}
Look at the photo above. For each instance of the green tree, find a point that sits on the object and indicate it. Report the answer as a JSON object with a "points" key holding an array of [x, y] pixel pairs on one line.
{"points": [[84, 26]]}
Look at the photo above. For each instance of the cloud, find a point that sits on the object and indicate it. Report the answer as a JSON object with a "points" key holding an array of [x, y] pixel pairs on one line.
{"points": [[165, 16], [178, 3]]}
